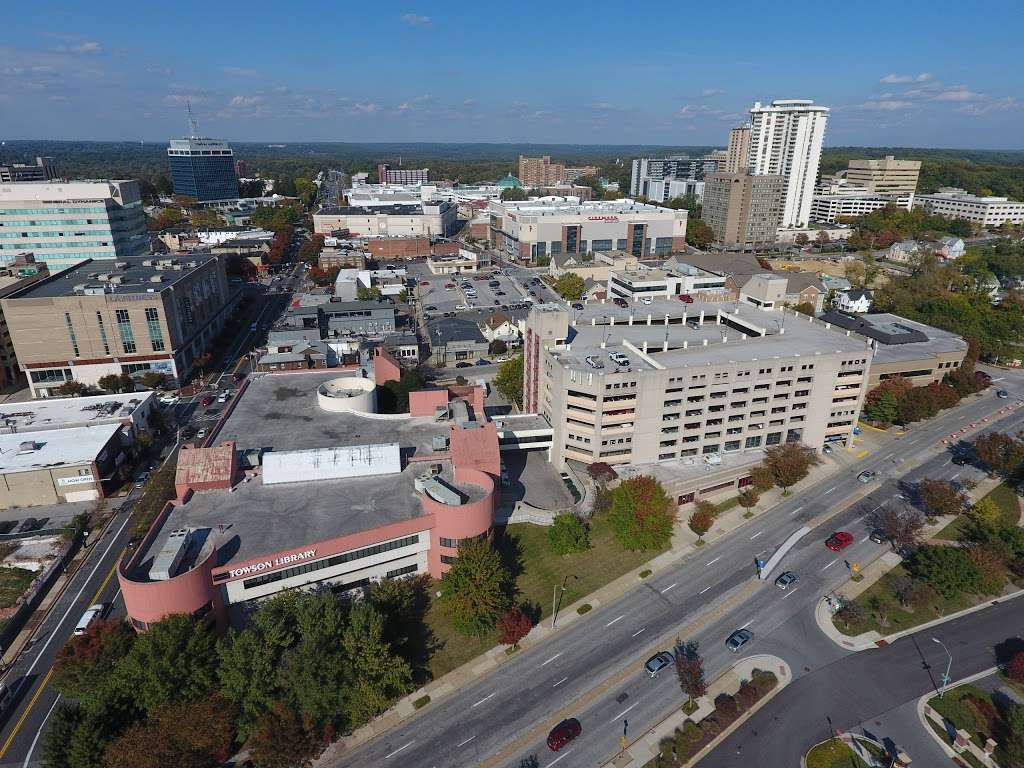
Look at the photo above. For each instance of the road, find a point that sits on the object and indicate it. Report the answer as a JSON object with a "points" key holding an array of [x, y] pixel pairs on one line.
{"points": [[95, 580], [592, 669], [864, 687]]}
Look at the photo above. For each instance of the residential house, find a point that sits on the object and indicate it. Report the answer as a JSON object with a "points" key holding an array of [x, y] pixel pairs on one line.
{"points": [[855, 300], [500, 326], [950, 248], [593, 290], [455, 340], [904, 250], [833, 283], [805, 288]]}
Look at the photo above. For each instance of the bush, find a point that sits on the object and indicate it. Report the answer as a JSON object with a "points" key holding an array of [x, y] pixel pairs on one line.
{"points": [[513, 626], [568, 534], [601, 472], [948, 570], [1015, 668], [645, 573], [763, 680], [726, 707], [747, 695], [421, 702]]}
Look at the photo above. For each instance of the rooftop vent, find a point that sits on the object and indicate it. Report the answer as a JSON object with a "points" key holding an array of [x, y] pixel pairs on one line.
{"points": [[28, 446]]}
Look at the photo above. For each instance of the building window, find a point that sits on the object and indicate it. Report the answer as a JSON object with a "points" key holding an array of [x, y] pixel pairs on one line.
{"points": [[103, 332], [156, 334], [451, 543], [402, 571], [773, 438], [71, 332], [124, 327], [448, 559], [753, 442]]}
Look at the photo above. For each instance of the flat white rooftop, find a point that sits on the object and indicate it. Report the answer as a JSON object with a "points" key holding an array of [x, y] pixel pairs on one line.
{"points": [[64, 412], [70, 447]]}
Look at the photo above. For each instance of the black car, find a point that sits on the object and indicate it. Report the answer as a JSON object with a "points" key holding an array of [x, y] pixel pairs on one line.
{"points": [[430, 308], [463, 364], [29, 524], [8, 525], [961, 461]]}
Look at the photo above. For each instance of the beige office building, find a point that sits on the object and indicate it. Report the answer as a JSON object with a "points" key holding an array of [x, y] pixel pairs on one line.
{"points": [[743, 210], [698, 387], [887, 176], [738, 154], [132, 316]]}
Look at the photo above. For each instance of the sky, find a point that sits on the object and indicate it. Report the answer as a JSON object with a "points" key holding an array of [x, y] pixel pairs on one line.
{"points": [[894, 73]]}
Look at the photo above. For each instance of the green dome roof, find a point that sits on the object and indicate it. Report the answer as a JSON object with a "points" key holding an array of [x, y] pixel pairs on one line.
{"points": [[509, 182]]}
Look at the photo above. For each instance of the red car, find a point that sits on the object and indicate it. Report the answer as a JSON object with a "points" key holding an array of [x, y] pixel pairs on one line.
{"points": [[839, 541], [563, 733], [208, 400], [686, 298], [425, 283], [620, 302]]}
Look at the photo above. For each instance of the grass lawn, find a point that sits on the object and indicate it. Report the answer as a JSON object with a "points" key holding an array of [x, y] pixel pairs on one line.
{"points": [[900, 618], [833, 754], [13, 582], [953, 707], [537, 570], [1004, 497]]}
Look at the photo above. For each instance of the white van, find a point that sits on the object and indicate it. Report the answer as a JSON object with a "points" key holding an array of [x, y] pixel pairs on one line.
{"points": [[92, 613]]}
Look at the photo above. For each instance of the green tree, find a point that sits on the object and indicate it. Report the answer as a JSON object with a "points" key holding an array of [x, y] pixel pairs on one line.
{"points": [[375, 675], [570, 286], [568, 534], [475, 591], [71, 389], [116, 383], [940, 497], [61, 729], [247, 671], [497, 347], [175, 660], [85, 662], [805, 308], [368, 294], [513, 193], [690, 671], [748, 499], [698, 233], [641, 515], [153, 379], [801, 239], [700, 523], [986, 512], [281, 740], [947, 570], [883, 409], [509, 380], [206, 218], [761, 478], [790, 463], [306, 190]]}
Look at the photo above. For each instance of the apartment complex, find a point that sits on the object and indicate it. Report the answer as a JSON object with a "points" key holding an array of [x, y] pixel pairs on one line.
{"points": [[648, 172], [43, 170], [421, 219], [541, 172], [202, 168], [738, 152], [530, 229], [887, 176], [65, 223], [955, 203], [785, 140], [743, 210], [853, 201], [689, 384], [388, 175], [130, 317]]}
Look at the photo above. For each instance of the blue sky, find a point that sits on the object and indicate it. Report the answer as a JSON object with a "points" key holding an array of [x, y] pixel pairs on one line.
{"points": [[898, 73]]}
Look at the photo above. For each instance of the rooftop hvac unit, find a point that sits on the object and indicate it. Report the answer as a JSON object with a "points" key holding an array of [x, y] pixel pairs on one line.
{"points": [[103, 277], [80, 288], [94, 290], [440, 442], [120, 265], [28, 446], [149, 263], [156, 279]]}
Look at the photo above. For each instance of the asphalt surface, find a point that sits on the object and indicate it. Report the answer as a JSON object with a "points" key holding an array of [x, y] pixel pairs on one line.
{"points": [[95, 581], [592, 669]]}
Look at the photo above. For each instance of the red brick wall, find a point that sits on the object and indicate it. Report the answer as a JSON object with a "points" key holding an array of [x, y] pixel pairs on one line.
{"points": [[398, 247]]}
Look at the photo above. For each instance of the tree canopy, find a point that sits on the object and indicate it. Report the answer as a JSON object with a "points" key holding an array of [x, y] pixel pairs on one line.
{"points": [[570, 286], [475, 591], [641, 513]]}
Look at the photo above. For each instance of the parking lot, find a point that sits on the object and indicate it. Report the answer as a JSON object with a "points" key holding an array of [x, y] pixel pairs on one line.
{"points": [[439, 294]]}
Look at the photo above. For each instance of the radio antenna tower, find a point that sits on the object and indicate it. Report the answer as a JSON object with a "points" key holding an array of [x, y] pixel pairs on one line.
{"points": [[192, 124]]}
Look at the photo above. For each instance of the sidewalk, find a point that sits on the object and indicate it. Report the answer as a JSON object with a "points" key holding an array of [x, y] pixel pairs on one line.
{"points": [[645, 748]]}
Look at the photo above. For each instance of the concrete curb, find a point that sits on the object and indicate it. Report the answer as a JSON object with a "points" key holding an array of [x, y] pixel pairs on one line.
{"points": [[923, 701]]}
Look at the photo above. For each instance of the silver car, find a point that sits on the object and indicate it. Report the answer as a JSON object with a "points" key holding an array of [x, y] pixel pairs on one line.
{"points": [[659, 661], [786, 580], [867, 476], [738, 639]]}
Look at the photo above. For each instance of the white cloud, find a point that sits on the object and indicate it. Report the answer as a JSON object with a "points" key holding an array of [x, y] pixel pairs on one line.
{"points": [[243, 102], [998, 105], [415, 20], [957, 93], [885, 105], [181, 99], [713, 92], [87, 47], [365, 109], [690, 111], [921, 78]]}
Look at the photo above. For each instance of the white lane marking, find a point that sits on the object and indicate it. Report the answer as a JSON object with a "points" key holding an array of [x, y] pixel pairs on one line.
{"points": [[790, 592], [865, 538], [485, 698], [713, 561], [1001, 378], [747, 624], [551, 659], [404, 746], [464, 743], [889, 456], [560, 757], [795, 510], [703, 590], [639, 631], [756, 535], [619, 618], [875, 509], [954, 477], [53, 634], [826, 493], [32, 746], [670, 586], [560, 682], [624, 712], [830, 564]]}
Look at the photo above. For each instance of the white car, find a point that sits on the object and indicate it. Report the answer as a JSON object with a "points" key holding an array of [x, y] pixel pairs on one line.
{"points": [[646, 300], [92, 613], [169, 400], [461, 306]]}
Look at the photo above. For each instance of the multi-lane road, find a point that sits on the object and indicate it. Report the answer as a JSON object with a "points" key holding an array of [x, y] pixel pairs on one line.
{"points": [[591, 670]]}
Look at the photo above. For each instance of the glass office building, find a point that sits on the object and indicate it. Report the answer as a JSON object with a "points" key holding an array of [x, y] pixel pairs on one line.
{"points": [[203, 169]]}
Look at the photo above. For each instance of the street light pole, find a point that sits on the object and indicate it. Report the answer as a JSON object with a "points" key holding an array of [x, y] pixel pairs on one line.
{"points": [[945, 678], [556, 595]]}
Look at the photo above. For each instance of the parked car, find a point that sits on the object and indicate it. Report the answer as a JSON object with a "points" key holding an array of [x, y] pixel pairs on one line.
{"points": [[786, 580], [224, 396], [430, 308], [463, 364], [658, 662], [594, 361], [188, 433], [202, 433], [168, 400], [207, 400], [563, 733], [839, 541], [483, 361], [577, 306], [878, 536], [738, 639], [425, 283], [619, 359], [6, 526], [92, 613], [867, 475], [142, 479], [686, 298], [646, 300], [826, 449], [29, 524], [618, 301]]}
